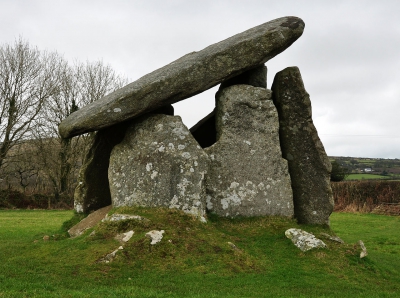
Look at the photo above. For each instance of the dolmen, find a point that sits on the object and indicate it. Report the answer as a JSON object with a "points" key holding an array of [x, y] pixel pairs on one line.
{"points": [[257, 153]]}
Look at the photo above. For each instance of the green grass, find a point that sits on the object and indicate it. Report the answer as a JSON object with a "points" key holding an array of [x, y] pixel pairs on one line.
{"points": [[194, 259], [365, 177]]}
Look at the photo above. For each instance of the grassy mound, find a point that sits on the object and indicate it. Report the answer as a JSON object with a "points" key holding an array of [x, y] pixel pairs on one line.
{"points": [[196, 259], [223, 246]]}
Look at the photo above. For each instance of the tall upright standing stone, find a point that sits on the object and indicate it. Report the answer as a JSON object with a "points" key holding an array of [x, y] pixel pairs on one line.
{"points": [[159, 164], [247, 175], [93, 191], [309, 165], [204, 131]]}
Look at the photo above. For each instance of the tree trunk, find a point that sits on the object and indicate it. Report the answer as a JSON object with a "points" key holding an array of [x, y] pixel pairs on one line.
{"points": [[65, 166]]}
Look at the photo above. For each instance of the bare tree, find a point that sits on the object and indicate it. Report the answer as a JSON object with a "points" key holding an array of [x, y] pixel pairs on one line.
{"points": [[27, 80], [79, 85], [25, 169], [37, 91]]}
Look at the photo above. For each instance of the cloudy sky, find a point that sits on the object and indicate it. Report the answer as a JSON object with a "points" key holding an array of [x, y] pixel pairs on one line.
{"points": [[348, 55]]}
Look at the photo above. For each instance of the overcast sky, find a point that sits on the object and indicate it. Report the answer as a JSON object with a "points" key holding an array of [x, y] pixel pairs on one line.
{"points": [[348, 55]]}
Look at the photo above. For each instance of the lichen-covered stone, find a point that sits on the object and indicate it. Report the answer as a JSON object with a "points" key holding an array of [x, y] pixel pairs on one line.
{"points": [[187, 76], [119, 217], [363, 252], [110, 257], [124, 237], [304, 240], [204, 131], [155, 236], [159, 164], [309, 165], [92, 191], [247, 175]]}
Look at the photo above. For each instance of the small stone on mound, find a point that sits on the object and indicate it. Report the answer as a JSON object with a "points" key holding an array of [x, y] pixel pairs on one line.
{"points": [[155, 236], [303, 240], [119, 217]]}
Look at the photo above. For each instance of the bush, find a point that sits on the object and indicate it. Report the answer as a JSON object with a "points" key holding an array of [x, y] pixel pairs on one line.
{"points": [[338, 173], [14, 199], [365, 195]]}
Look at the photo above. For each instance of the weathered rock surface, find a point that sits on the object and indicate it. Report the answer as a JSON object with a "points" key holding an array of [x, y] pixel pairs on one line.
{"points": [[110, 257], [309, 165], [363, 252], [89, 222], [93, 191], [204, 131], [159, 164], [155, 236], [187, 76], [124, 237], [304, 240], [119, 217], [332, 238], [247, 175]]}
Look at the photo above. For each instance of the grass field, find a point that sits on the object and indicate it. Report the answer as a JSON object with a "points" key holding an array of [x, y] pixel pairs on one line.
{"points": [[195, 260], [365, 177]]}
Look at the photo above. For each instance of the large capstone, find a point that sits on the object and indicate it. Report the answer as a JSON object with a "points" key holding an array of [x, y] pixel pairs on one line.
{"points": [[309, 165], [187, 76], [159, 164], [247, 175]]}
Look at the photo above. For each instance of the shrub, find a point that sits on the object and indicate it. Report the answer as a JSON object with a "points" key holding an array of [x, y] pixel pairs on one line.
{"points": [[10, 199], [364, 196]]}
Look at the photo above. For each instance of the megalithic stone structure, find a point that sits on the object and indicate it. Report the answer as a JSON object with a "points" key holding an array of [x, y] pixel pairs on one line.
{"points": [[309, 166], [247, 175], [159, 164], [187, 76], [204, 131]]}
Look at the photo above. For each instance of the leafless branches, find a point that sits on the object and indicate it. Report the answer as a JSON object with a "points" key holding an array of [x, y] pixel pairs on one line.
{"points": [[37, 91]]}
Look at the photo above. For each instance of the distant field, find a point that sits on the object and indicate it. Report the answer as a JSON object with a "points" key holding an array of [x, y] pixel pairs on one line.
{"points": [[365, 177]]}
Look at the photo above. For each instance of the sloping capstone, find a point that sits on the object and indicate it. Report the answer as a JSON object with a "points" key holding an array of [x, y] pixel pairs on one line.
{"points": [[204, 131], [159, 164], [309, 165], [187, 76], [247, 175]]}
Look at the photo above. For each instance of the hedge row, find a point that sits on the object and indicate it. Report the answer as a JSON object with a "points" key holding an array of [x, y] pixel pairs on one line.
{"points": [[11, 199], [365, 195]]}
